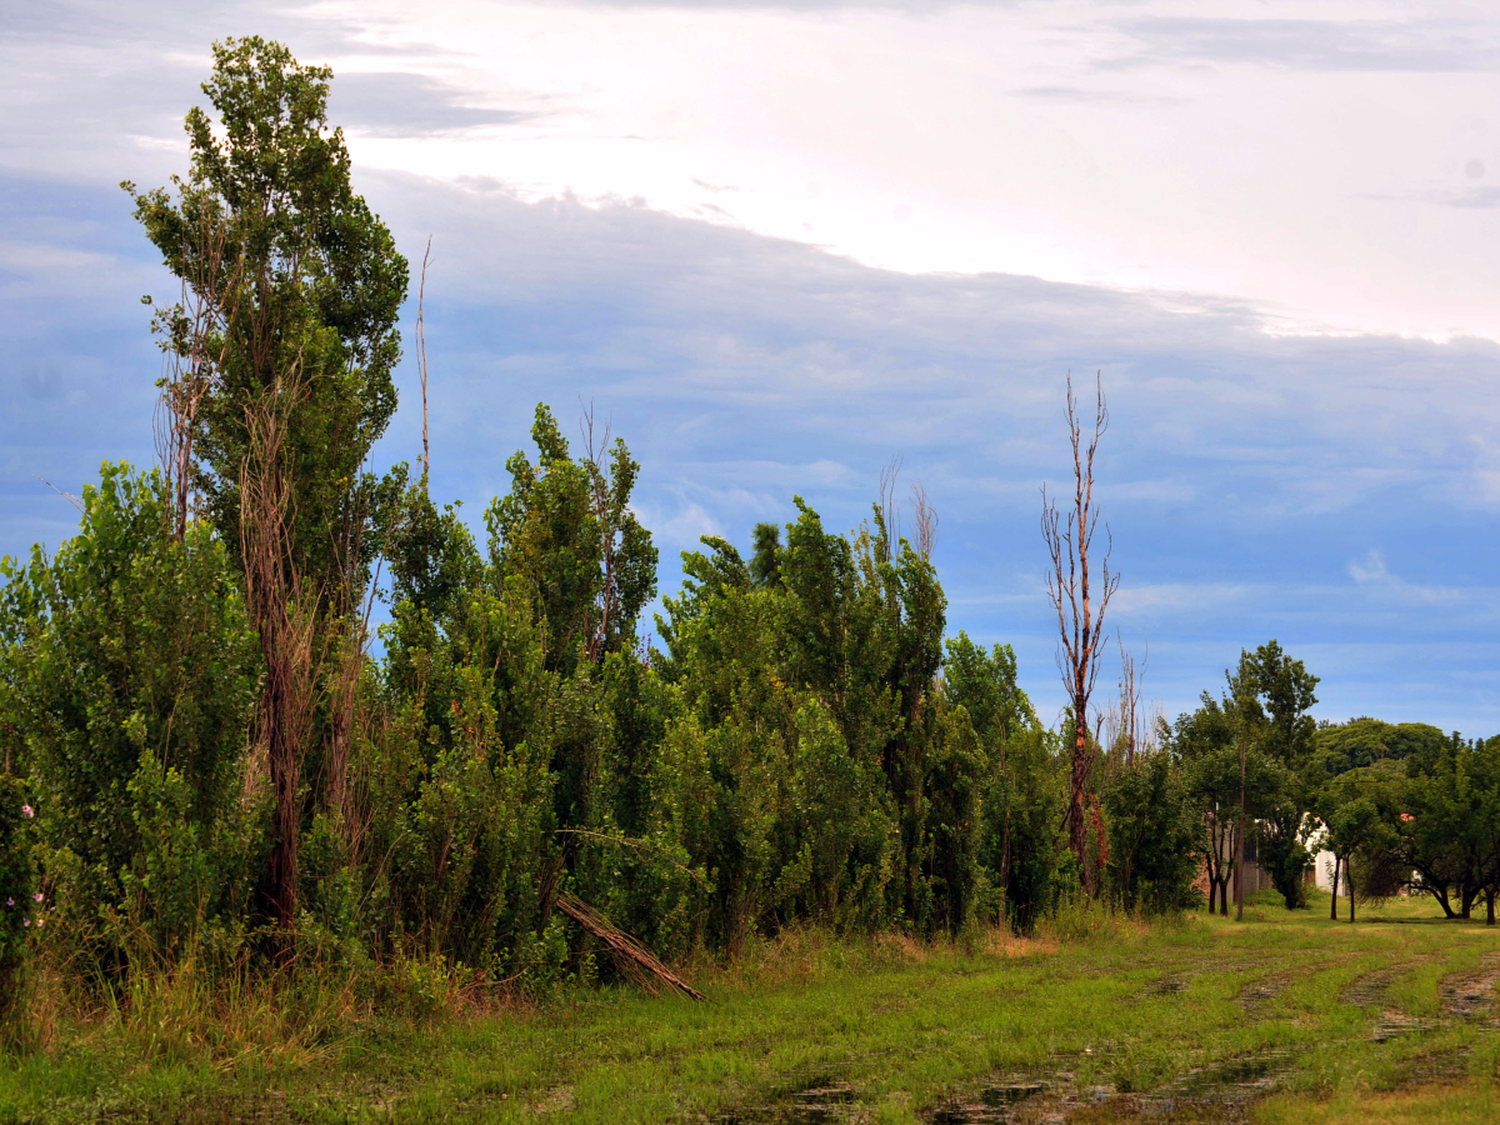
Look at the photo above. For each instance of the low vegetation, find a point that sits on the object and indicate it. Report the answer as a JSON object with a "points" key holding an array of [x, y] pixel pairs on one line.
{"points": [[1284, 1017]]}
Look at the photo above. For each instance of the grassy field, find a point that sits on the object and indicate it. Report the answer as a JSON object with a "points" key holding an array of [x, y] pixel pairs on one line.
{"points": [[1285, 1018]]}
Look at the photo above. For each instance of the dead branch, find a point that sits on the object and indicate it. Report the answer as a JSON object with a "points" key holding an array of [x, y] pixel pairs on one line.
{"points": [[197, 334], [1080, 622], [924, 515], [285, 615], [422, 359], [596, 464], [630, 956], [68, 496], [890, 508]]}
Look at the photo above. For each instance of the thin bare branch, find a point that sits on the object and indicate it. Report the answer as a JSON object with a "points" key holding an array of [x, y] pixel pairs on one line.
{"points": [[68, 496], [1081, 599], [422, 359]]}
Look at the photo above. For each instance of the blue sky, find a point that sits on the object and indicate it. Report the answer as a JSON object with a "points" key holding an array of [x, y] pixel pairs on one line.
{"points": [[776, 246]]}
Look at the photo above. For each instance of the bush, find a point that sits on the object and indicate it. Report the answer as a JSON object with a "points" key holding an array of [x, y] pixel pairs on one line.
{"points": [[129, 672]]}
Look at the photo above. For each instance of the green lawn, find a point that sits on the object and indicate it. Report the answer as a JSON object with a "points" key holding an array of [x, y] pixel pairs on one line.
{"points": [[1287, 1017]]}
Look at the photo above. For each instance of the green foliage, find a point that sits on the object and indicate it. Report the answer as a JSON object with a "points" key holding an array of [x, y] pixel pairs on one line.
{"points": [[567, 530], [1274, 695], [455, 789], [1363, 742], [303, 283], [1448, 826], [21, 907], [1154, 826], [1019, 849], [1022, 846], [129, 683]]}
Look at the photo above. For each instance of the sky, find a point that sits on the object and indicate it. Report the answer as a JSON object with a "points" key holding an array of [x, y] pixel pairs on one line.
{"points": [[777, 245]]}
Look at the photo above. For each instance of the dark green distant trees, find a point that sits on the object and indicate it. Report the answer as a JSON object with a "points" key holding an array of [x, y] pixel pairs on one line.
{"points": [[1275, 693], [1262, 720]]}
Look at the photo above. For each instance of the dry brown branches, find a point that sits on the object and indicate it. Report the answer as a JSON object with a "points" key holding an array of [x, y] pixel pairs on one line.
{"points": [[1080, 620]]}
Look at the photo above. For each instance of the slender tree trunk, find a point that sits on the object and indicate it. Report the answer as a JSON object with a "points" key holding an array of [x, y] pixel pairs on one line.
{"points": [[1349, 874], [1334, 915], [1239, 845], [284, 615], [1078, 837]]}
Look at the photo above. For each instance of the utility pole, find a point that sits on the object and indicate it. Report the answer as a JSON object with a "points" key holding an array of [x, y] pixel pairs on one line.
{"points": [[1239, 855]]}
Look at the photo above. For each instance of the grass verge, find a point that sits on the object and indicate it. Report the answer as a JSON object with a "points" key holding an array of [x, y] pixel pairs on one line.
{"points": [[1285, 1017]]}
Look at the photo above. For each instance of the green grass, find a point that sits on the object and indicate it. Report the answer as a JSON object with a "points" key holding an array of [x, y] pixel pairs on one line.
{"points": [[1338, 1023]]}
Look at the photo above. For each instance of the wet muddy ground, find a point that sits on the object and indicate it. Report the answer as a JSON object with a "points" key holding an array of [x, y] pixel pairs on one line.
{"points": [[1223, 1092]]}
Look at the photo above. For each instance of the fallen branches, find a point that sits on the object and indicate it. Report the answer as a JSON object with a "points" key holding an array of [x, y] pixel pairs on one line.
{"points": [[630, 956]]}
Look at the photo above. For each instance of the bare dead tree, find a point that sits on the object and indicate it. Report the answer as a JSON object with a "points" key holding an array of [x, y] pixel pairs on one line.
{"points": [[1130, 700], [923, 512], [1080, 618]]}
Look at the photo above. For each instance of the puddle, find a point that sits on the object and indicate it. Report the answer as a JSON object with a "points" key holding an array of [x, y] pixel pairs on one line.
{"points": [[993, 1104], [1369, 990], [1221, 1092], [1471, 996], [1167, 986], [1261, 991], [822, 1101]]}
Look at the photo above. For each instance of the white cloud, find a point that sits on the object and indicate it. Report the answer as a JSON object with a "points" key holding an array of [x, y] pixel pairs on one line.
{"points": [[1195, 209], [1370, 567]]}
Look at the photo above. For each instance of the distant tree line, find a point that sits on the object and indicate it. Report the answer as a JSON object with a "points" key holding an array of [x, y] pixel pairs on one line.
{"points": [[204, 757]]}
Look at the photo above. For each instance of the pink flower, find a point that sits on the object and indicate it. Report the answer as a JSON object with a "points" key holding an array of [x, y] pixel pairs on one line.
{"points": [[25, 921], [37, 897], [1407, 817], [41, 921], [27, 812]]}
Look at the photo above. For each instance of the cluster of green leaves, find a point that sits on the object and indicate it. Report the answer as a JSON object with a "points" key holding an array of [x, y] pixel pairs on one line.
{"points": [[797, 752], [302, 286], [1407, 806], [1257, 739], [127, 685]]}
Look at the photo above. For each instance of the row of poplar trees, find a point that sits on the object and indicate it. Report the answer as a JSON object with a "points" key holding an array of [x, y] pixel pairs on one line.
{"points": [[209, 752], [208, 747]]}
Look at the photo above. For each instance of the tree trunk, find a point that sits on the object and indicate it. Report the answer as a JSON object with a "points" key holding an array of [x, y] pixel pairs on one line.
{"points": [[1349, 874], [1078, 839], [1239, 845], [1334, 914]]}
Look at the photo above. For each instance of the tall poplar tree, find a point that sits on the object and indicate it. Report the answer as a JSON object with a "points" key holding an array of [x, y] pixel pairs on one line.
{"points": [[283, 348]]}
